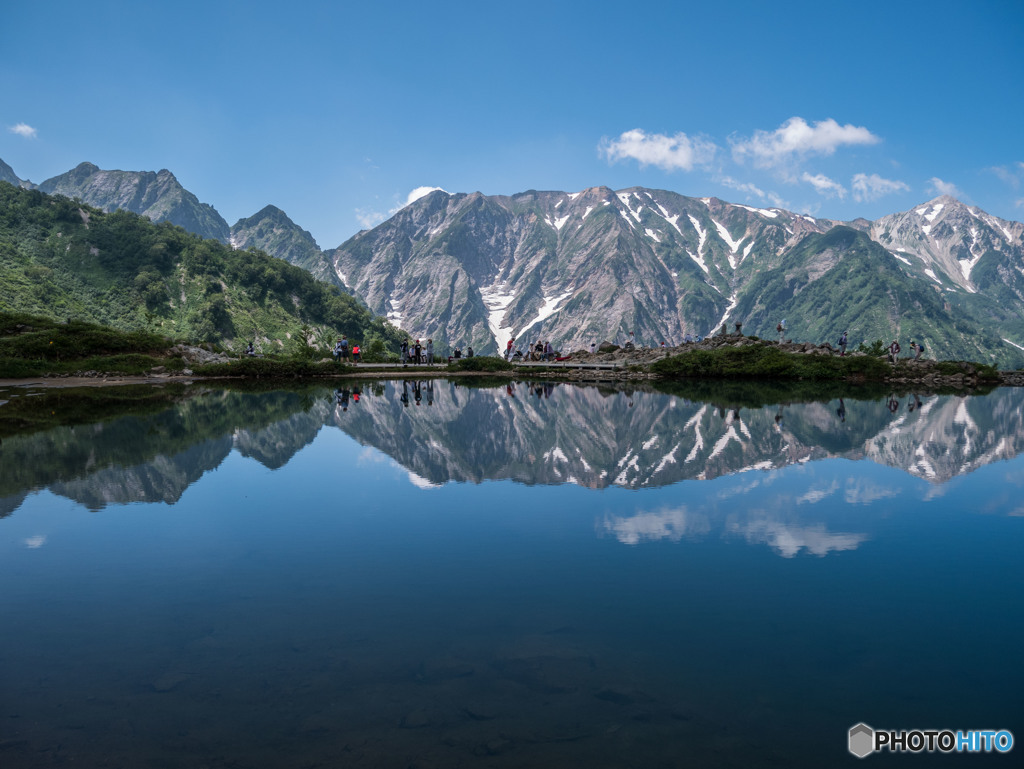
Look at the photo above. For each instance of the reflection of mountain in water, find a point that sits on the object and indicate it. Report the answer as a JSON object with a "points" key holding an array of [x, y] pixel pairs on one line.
{"points": [[155, 458], [534, 434], [597, 437]]}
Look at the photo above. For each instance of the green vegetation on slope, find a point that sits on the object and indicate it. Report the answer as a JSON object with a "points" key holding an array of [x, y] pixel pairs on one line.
{"points": [[62, 259], [32, 345]]}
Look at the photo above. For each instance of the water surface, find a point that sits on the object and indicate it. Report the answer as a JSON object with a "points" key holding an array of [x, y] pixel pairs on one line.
{"points": [[532, 575]]}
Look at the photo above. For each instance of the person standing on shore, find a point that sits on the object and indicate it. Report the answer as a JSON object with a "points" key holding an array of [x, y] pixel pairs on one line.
{"points": [[894, 351], [430, 351], [405, 352], [842, 345]]}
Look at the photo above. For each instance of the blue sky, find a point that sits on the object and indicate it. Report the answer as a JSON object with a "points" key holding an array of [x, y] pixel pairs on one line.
{"points": [[336, 112]]}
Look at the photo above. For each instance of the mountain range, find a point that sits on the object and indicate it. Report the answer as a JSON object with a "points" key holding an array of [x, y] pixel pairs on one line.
{"points": [[583, 267]]}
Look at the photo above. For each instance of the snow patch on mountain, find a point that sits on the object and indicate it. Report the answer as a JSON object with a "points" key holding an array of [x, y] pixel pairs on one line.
{"points": [[652, 235], [497, 299], [762, 211], [699, 260], [702, 234], [733, 301], [559, 223], [548, 309]]}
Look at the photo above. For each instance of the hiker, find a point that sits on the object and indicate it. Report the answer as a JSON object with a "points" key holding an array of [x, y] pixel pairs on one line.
{"points": [[417, 352], [337, 350], [593, 348], [458, 352], [355, 353], [894, 351], [430, 352], [405, 352], [739, 326], [842, 345], [781, 328], [918, 349], [508, 348], [549, 352], [688, 338], [250, 351], [469, 351]]}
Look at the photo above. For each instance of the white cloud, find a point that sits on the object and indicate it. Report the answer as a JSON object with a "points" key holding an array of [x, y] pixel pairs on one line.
{"points": [[418, 193], [23, 129], [669, 153], [1019, 202], [796, 139], [35, 542], [873, 187], [824, 185], [938, 187], [369, 219]]}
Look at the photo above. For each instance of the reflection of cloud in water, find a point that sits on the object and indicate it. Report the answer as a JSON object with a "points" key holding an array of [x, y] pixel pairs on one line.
{"points": [[669, 523], [34, 542], [864, 492], [789, 539], [739, 488], [814, 495]]}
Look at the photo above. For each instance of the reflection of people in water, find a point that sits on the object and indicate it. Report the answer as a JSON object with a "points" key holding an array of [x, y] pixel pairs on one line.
{"points": [[841, 411], [916, 404], [416, 392], [430, 392], [892, 404], [510, 391], [405, 393], [779, 417], [342, 396]]}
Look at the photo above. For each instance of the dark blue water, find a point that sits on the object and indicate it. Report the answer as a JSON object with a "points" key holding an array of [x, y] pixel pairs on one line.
{"points": [[310, 585]]}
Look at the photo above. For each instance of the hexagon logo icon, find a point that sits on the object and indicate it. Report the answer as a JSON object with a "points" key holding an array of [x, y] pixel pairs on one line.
{"points": [[862, 740]]}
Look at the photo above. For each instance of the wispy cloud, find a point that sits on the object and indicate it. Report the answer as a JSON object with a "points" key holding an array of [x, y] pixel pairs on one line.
{"points": [[752, 189], [368, 219], [1019, 202], [867, 188], [795, 140], [669, 153], [23, 129], [824, 185], [938, 187], [1011, 175]]}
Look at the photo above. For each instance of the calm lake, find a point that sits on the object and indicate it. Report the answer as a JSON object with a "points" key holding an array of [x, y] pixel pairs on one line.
{"points": [[429, 574]]}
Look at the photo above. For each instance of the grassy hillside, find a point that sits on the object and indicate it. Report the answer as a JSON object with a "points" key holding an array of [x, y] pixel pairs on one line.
{"points": [[65, 260]]}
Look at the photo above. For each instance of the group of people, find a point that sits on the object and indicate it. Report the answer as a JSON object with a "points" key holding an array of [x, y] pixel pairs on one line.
{"points": [[540, 350], [341, 350], [894, 350], [417, 353]]}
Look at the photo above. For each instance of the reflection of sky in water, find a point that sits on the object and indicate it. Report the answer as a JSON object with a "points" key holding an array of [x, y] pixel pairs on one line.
{"points": [[334, 607]]}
